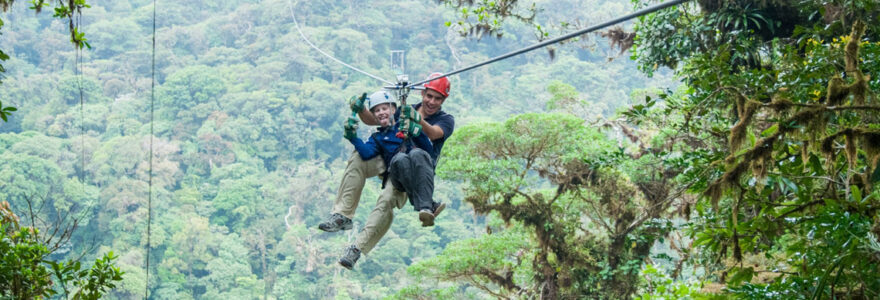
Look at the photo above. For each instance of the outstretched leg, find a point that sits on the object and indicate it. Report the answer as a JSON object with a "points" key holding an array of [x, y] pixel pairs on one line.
{"points": [[356, 173], [379, 220], [415, 173], [377, 225], [422, 178], [400, 173], [349, 193]]}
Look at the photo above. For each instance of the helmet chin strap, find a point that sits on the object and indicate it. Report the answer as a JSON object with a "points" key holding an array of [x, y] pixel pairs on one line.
{"points": [[391, 121]]}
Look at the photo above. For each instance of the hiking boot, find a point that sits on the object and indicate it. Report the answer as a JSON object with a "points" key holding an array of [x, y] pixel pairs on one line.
{"points": [[350, 257], [427, 217], [335, 223], [438, 207]]}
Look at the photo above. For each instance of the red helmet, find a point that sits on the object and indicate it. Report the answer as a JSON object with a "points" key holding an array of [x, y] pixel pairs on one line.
{"points": [[440, 85]]}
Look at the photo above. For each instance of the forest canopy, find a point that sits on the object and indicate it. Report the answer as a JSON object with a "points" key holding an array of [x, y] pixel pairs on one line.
{"points": [[712, 149]]}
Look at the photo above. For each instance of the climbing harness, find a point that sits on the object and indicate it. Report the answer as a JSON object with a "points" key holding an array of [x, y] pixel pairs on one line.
{"points": [[401, 91]]}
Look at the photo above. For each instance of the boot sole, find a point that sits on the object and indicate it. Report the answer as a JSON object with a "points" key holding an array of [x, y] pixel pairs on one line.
{"points": [[426, 218], [439, 209], [335, 229], [345, 265]]}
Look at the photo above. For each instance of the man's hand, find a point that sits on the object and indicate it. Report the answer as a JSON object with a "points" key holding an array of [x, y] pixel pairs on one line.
{"points": [[350, 128], [410, 127], [357, 103], [407, 112]]}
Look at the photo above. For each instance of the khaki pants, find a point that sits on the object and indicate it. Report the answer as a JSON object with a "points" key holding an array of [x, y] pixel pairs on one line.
{"points": [[349, 195]]}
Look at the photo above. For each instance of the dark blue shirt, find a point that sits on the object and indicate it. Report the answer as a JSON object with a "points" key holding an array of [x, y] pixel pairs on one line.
{"points": [[443, 120], [385, 142]]}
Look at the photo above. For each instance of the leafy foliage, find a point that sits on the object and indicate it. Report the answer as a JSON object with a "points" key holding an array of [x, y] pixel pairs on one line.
{"points": [[793, 117], [777, 134], [500, 259], [593, 219], [478, 18], [21, 271], [659, 285], [247, 152], [5, 112], [26, 271], [62, 10]]}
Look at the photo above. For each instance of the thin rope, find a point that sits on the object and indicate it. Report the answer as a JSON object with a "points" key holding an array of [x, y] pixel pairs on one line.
{"points": [[290, 7], [82, 123], [636, 14], [150, 182], [78, 73]]}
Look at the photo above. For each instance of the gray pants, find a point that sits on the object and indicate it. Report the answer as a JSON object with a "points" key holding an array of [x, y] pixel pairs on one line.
{"points": [[413, 173]]}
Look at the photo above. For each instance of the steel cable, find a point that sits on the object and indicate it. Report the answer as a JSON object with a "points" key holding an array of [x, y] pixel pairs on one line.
{"points": [[150, 180], [638, 13], [293, 16]]}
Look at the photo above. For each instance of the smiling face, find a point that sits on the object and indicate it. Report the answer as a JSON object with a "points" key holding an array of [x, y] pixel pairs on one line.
{"points": [[431, 102], [384, 112]]}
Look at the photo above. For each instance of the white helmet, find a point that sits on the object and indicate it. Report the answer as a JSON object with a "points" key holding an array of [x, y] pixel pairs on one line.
{"points": [[381, 97]]}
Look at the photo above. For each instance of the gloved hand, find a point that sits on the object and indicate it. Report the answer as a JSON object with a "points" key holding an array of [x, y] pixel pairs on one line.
{"points": [[407, 112], [411, 128], [357, 103], [350, 128]]}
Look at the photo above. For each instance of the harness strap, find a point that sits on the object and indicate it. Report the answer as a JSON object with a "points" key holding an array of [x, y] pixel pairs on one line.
{"points": [[384, 178]]}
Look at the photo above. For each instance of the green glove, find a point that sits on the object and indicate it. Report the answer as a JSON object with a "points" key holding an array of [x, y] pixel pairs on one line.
{"points": [[412, 129], [409, 113], [350, 128], [357, 103]]}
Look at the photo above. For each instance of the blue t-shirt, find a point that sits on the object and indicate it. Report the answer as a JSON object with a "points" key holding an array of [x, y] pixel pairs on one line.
{"points": [[442, 119]]}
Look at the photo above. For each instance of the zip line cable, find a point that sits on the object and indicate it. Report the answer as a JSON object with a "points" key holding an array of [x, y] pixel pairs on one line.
{"points": [[290, 7], [150, 180], [638, 13]]}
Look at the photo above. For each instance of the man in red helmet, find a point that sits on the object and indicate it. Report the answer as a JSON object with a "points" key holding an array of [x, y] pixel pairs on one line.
{"points": [[436, 124]]}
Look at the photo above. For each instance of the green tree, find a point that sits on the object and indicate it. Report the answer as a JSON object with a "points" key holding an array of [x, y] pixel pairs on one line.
{"points": [[25, 177], [779, 118], [63, 10], [791, 127], [501, 259], [591, 212], [27, 271], [252, 167], [190, 95]]}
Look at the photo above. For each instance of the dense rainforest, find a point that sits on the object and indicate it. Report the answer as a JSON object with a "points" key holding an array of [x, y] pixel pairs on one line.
{"points": [[715, 149]]}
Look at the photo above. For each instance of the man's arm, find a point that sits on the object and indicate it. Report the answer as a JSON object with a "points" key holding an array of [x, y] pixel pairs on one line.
{"points": [[422, 141], [368, 118], [440, 130], [433, 132]]}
